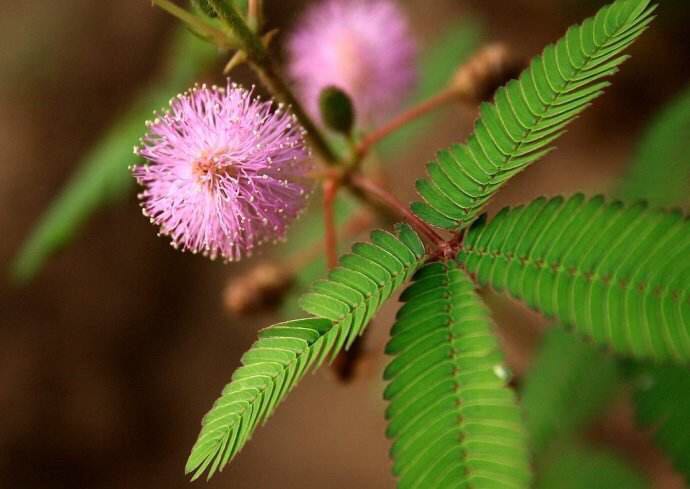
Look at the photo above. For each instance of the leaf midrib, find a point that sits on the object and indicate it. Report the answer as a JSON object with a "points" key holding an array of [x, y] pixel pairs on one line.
{"points": [[452, 337], [477, 201], [336, 325], [659, 291]]}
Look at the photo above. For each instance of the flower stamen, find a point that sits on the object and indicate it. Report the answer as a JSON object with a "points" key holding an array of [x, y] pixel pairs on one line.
{"points": [[210, 169]]}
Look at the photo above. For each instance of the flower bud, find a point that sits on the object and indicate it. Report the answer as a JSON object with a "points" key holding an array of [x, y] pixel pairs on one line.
{"points": [[336, 110], [364, 47]]}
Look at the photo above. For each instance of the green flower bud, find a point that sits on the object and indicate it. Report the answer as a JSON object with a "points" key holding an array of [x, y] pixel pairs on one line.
{"points": [[337, 112]]}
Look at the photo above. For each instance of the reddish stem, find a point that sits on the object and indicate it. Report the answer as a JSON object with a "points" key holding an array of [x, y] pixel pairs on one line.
{"points": [[373, 138], [330, 191], [368, 189], [356, 225], [255, 14]]}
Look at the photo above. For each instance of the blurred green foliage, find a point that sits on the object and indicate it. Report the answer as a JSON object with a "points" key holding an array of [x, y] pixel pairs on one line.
{"points": [[204, 7], [560, 394], [660, 170], [662, 403], [573, 467], [660, 174], [102, 176]]}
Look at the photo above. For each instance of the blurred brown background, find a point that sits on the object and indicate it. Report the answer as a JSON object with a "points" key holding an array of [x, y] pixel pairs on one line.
{"points": [[110, 358]]}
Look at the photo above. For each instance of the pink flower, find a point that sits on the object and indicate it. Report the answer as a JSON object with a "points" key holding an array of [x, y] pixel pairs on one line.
{"points": [[226, 172], [363, 47]]}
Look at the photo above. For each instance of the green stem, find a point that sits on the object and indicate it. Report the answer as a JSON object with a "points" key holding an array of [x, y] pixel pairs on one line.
{"points": [[221, 39], [255, 15], [251, 43], [268, 74]]}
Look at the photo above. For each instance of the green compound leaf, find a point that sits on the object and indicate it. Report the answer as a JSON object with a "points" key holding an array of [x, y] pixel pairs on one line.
{"points": [[343, 305], [365, 279], [662, 402], [103, 176], [560, 394], [272, 366], [454, 421], [579, 468], [619, 275], [660, 171], [529, 114]]}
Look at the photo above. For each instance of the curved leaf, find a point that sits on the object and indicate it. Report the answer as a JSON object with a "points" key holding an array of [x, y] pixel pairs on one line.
{"points": [[620, 275], [529, 114], [454, 421], [272, 366], [343, 305]]}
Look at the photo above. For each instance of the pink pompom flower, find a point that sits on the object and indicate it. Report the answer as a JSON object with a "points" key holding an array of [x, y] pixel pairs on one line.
{"points": [[226, 171], [363, 47]]}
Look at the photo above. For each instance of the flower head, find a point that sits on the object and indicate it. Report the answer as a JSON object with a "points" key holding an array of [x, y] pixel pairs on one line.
{"points": [[363, 47], [226, 172]]}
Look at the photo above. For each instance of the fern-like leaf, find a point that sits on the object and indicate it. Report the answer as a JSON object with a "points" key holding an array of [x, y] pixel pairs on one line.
{"points": [[529, 114], [620, 275], [454, 421], [342, 306]]}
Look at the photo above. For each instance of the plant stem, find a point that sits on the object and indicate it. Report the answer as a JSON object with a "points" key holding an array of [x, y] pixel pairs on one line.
{"points": [[439, 100], [330, 191], [276, 85], [255, 14], [367, 189], [200, 27], [355, 225], [362, 187], [250, 42], [268, 74]]}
